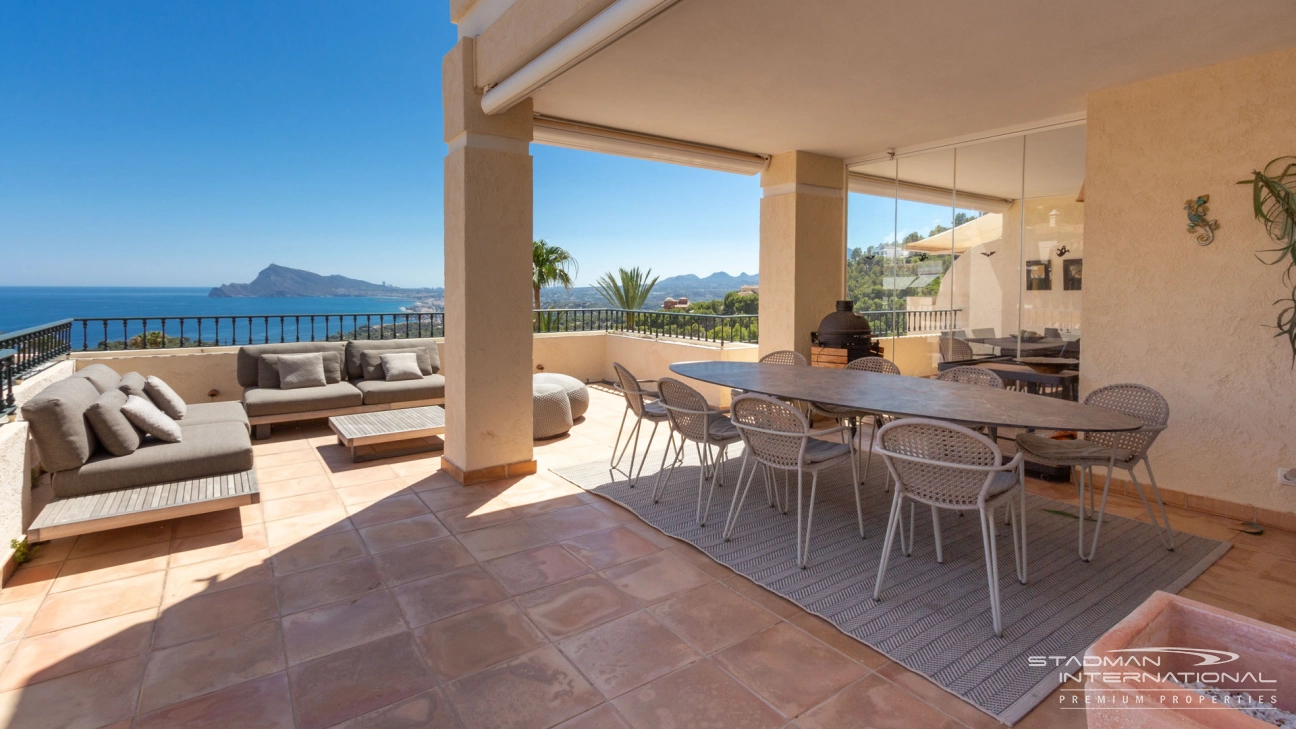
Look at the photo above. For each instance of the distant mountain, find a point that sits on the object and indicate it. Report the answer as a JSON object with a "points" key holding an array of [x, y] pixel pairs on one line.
{"points": [[696, 288], [281, 281]]}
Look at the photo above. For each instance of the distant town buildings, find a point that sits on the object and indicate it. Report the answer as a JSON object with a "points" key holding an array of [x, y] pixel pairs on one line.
{"points": [[671, 304]]}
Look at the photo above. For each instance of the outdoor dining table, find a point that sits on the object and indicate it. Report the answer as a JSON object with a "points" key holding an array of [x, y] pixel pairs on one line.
{"points": [[1010, 344], [909, 396]]}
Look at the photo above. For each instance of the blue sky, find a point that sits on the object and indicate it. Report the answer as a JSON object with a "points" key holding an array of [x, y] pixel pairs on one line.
{"points": [[185, 143]]}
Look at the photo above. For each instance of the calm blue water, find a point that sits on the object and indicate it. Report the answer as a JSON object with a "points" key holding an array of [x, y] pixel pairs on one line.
{"points": [[27, 306]]}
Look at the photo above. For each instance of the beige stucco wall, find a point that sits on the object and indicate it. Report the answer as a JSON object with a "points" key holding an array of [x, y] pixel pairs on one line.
{"points": [[1193, 322], [650, 359], [581, 355], [191, 373]]}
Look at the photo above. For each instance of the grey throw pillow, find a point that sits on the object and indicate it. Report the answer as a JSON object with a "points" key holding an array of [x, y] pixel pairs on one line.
{"points": [[301, 370], [371, 362], [400, 366], [133, 383], [268, 369], [144, 415], [111, 426], [165, 398]]}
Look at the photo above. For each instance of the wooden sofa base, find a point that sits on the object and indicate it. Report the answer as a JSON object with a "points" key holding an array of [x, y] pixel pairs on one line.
{"points": [[261, 423], [73, 515]]}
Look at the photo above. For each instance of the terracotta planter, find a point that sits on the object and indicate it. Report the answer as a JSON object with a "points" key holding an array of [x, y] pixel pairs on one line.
{"points": [[1135, 692]]}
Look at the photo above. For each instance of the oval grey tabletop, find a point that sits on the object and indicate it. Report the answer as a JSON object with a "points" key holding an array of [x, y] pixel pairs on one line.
{"points": [[910, 396]]}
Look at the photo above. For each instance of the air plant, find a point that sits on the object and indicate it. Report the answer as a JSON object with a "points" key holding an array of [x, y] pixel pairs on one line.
{"points": [[1274, 204]]}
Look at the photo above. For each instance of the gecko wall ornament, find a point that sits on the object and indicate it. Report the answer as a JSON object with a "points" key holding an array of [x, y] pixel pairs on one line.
{"points": [[1062, 251], [1198, 223]]}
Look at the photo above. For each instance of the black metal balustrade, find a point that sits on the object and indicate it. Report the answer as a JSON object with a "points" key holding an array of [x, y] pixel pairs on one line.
{"points": [[114, 333], [674, 324], [7, 404], [36, 346]]}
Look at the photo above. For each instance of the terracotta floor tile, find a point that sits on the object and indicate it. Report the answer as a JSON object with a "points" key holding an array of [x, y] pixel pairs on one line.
{"points": [[286, 473], [375, 491], [541, 687], [535, 568], [260, 704], [285, 458], [656, 577], [936, 696], [217, 574], [284, 532], [318, 551], [574, 522], [16, 616], [202, 666], [93, 698], [788, 668], [29, 582], [603, 717], [713, 616], [330, 583], [702, 561], [1049, 714], [471, 641], [621, 514], [836, 639], [48, 656], [87, 571], [361, 475], [216, 521], [446, 594], [293, 487], [217, 545], [421, 483], [767, 599], [458, 497], [299, 505], [626, 653], [420, 560], [534, 504], [55, 550], [77, 607], [470, 518], [403, 532], [314, 633], [417, 465], [386, 510], [609, 547], [875, 703], [356, 681], [268, 447], [88, 545], [652, 534], [428, 710], [207, 614], [506, 539], [699, 695], [578, 604]]}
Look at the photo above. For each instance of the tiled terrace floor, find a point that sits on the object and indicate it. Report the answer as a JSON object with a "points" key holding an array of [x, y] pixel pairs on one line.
{"points": [[385, 595]]}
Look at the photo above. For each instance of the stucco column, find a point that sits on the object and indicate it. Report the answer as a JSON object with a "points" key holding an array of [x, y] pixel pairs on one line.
{"points": [[802, 247], [487, 280]]}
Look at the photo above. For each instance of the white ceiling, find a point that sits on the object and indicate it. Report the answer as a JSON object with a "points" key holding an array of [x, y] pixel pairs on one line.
{"points": [[851, 77]]}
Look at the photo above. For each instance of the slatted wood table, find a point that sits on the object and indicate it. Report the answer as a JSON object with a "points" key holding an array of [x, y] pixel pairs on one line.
{"points": [[425, 424], [74, 515]]}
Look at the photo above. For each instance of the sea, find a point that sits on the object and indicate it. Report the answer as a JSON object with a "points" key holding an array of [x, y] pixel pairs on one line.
{"points": [[22, 307]]}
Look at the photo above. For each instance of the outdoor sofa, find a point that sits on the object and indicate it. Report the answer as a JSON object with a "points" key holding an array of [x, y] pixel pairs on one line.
{"points": [[354, 381]]}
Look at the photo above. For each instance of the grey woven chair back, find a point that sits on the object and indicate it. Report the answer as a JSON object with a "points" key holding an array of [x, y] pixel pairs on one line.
{"points": [[880, 365], [750, 412], [630, 388], [972, 376], [955, 350], [950, 446], [685, 407], [1136, 401], [784, 357], [985, 333]]}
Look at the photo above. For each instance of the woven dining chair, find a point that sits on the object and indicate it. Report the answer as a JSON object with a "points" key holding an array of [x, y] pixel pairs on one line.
{"points": [[955, 350], [951, 467], [780, 357], [644, 410], [972, 375], [1123, 450], [855, 418], [697, 422], [778, 437]]}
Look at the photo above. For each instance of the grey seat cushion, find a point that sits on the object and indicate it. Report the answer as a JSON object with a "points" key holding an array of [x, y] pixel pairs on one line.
{"points": [[103, 377], [57, 419], [1064, 452], [818, 451], [355, 350], [371, 366], [216, 412], [268, 369], [271, 401], [246, 368], [114, 431], [133, 383], [207, 449], [378, 392], [576, 391], [721, 427], [1002, 481]]}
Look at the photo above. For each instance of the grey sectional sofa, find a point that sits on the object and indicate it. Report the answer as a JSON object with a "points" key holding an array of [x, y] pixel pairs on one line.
{"points": [[348, 389]]}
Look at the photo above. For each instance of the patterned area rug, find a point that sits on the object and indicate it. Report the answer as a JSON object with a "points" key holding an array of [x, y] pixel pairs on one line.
{"points": [[934, 618]]}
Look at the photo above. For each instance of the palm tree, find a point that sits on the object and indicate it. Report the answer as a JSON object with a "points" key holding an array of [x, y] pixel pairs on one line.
{"points": [[628, 290], [550, 266]]}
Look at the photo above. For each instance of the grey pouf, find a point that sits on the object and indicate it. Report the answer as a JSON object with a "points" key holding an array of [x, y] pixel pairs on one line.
{"points": [[576, 391], [551, 411]]}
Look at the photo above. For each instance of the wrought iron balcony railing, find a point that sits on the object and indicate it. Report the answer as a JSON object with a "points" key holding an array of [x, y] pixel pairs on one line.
{"points": [[35, 346], [7, 405]]}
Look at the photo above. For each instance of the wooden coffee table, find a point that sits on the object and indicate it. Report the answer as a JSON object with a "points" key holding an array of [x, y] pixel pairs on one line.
{"points": [[386, 426]]}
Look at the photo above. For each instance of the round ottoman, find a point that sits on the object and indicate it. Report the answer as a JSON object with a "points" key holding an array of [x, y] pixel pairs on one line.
{"points": [[551, 411], [575, 389]]}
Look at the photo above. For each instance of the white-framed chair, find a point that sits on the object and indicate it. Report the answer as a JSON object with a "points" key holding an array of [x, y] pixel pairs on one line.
{"points": [[778, 436], [781, 357], [948, 466], [972, 375], [641, 402], [855, 418], [694, 421], [1123, 450]]}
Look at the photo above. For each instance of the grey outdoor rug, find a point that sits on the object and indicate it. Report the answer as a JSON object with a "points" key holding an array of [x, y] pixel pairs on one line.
{"points": [[934, 618]]}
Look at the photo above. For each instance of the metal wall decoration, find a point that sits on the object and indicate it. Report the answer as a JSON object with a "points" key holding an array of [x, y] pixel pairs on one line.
{"points": [[1062, 251], [1198, 223]]}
